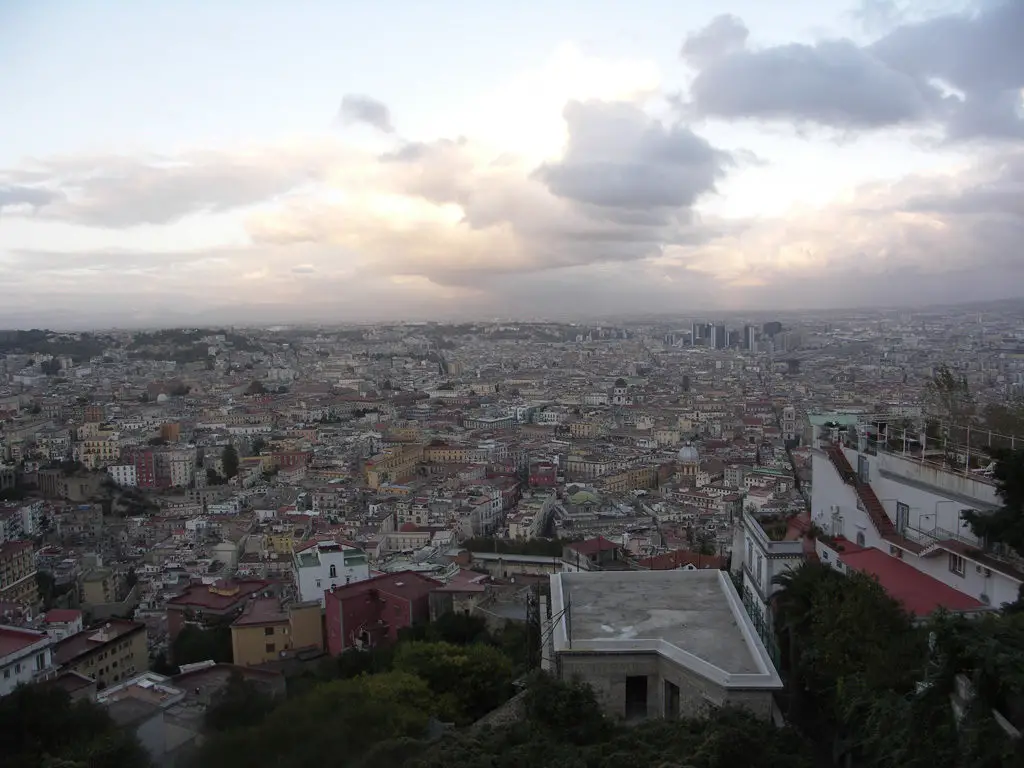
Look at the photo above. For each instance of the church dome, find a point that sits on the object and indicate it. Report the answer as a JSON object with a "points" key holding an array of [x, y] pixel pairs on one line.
{"points": [[688, 455], [620, 383]]}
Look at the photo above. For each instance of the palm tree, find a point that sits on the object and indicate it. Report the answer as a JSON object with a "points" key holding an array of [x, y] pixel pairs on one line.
{"points": [[792, 608]]}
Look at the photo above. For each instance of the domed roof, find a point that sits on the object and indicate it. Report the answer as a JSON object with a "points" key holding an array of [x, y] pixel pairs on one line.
{"points": [[620, 382], [688, 454]]}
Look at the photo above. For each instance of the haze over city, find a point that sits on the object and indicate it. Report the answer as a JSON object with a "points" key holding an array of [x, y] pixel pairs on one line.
{"points": [[312, 161]]}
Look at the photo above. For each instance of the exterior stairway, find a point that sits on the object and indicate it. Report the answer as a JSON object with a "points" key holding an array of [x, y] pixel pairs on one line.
{"points": [[879, 519]]}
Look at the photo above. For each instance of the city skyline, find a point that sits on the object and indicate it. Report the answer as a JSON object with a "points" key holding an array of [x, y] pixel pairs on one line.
{"points": [[306, 164]]}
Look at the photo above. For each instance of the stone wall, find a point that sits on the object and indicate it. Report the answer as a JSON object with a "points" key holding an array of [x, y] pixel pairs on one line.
{"points": [[607, 673]]}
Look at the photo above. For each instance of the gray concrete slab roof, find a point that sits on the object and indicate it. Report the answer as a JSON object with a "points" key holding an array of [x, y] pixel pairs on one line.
{"points": [[687, 609]]}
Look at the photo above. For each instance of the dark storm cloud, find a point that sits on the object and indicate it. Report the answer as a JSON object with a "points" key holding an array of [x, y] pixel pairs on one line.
{"points": [[963, 71], [833, 83], [366, 109], [618, 157]]}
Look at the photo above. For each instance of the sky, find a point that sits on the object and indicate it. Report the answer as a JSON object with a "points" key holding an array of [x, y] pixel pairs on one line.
{"points": [[306, 161]]}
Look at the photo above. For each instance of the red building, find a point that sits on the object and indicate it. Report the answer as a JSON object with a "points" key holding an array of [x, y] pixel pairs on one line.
{"points": [[543, 474], [206, 604], [145, 468], [290, 459], [370, 613]]}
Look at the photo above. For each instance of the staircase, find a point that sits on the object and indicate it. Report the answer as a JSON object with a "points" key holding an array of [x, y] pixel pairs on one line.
{"points": [[879, 519]]}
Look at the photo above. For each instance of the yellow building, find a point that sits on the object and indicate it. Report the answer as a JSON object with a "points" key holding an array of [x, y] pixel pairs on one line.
{"points": [[99, 453], [395, 465], [108, 654], [100, 585], [583, 429], [18, 573], [634, 479], [445, 453], [266, 630]]}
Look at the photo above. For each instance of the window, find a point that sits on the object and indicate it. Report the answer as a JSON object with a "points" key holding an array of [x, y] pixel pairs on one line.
{"points": [[334, 571], [271, 648], [7, 674], [40, 661], [750, 551], [268, 631], [956, 564], [17, 669], [318, 583], [860, 538]]}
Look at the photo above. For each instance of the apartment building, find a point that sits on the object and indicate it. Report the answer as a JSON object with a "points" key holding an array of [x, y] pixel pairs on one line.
{"points": [[395, 465], [18, 573], [321, 565], [267, 630], [108, 654], [372, 612], [26, 656], [912, 509]]}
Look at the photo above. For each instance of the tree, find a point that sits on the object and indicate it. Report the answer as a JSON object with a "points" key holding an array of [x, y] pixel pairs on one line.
{"points": [[238, 704], [229, 458], [43, 726], [1005, 525], [256, 388], [194, 644], [472, 680], [213, 477], [948, 395], [258, 444]]}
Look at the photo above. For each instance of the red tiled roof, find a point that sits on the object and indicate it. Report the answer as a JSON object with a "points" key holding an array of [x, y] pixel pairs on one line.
{"points": [[14, 639], [201, 596], [593, 546], [62, 615], [682, 557], [80, 643], [263, 611], [405, 584], [919, 593]]}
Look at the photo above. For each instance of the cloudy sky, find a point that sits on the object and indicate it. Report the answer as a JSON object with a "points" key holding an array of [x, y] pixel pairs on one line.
{"points": [[161, 162]]}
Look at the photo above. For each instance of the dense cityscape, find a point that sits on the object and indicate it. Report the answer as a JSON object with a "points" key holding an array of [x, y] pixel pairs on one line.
{"points": [[189, 510], [549, 384]]}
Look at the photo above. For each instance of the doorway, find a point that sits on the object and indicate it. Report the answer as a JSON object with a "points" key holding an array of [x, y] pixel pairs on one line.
{"points": [[636, 697]]}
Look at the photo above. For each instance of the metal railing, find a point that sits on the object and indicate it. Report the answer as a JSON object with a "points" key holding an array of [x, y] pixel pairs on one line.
{"points": [[961, 448]]}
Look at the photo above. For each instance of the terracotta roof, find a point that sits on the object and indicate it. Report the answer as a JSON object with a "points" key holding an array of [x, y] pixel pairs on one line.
{"points": [[62, 615], [593, 546], [405, 584], [81, 643], [14, 639], [682, 557], [204, 596], [263, 611], [919, 593]]}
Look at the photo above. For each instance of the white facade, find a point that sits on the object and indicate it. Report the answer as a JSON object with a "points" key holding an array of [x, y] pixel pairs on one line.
{"points": [[763, 560], [27, 657], [124, 475], [325, 564], [924, 504]]}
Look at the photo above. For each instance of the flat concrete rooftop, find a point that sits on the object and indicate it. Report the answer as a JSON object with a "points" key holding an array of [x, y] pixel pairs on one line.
{"points": [[694, 612]]}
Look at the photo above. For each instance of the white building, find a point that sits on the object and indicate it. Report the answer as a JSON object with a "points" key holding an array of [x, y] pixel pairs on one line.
{"points": [[25, 657], [320, 565], [763, 556], [912, 510], [124, 475]]}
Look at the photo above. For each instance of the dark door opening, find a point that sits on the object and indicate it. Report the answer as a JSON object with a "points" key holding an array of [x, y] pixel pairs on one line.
{"points": [[671, 700], [636, 697]]}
